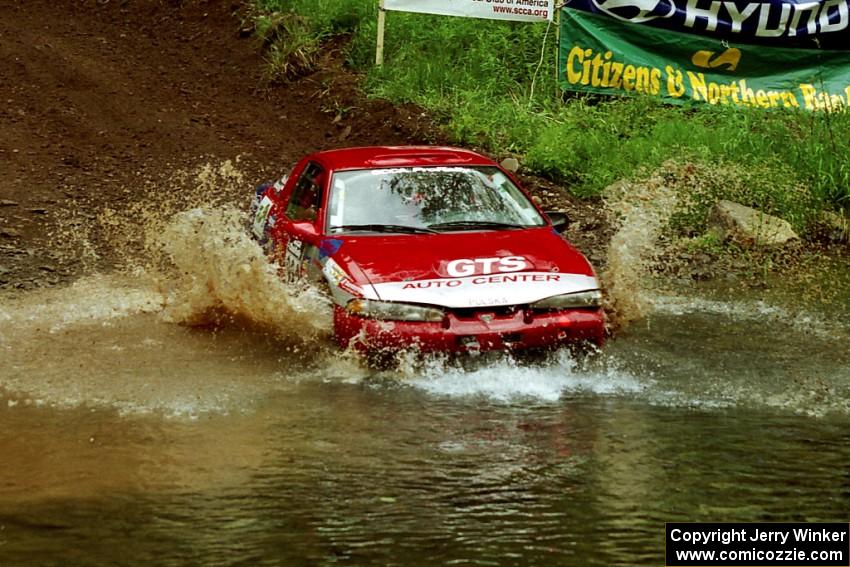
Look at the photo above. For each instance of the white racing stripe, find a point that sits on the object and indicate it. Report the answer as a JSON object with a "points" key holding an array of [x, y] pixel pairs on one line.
{"points": [[486, 290]]}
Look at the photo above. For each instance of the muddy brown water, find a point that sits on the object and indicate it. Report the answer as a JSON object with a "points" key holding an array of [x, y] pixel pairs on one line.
{"points": [[127, 438]]}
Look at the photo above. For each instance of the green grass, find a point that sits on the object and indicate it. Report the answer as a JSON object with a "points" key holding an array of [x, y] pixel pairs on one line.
{"points": [[475, 77]]}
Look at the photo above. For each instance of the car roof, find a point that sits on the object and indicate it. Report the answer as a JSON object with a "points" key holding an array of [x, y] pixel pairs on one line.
{"points": [[397, 156]]}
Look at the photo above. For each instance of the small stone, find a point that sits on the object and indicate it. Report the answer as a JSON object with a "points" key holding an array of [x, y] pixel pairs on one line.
{"points": [[38, 211], [511, 164], [7, 203], [10, 232], [702, 274], [837, 226], [47, 268]]}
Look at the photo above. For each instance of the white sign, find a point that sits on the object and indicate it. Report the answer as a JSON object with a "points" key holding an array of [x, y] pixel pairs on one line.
{"points": [[515, 288], [523, 10]]}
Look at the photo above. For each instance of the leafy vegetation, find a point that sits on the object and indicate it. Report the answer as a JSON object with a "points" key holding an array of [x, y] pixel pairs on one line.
{"points": [[492, 85], [292, 44]]}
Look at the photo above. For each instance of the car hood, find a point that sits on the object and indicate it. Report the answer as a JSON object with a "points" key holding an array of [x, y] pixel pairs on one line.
{"points": [[462, 270]]}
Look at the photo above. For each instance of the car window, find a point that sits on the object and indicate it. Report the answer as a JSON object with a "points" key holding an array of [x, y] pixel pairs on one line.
{"points": [[307, 195], [422, 197]]}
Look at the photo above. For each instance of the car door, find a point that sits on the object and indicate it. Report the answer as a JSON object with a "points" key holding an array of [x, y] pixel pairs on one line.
{"points": [[297, 238], [265, 209]]}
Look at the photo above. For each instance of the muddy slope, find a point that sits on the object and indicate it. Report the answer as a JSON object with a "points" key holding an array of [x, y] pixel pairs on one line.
{"points": [[97, 94]]}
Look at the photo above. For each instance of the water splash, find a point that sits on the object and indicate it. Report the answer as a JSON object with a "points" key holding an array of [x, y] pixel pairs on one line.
{"points": [[758, 311], [640, 210], [218, 268], [505, 379], [92, 299], [187, 258], [191, 243], [110, 340], [95, 237]]}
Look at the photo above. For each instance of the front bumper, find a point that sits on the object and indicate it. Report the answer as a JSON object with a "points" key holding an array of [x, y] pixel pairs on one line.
{"points": [[473, 332]]}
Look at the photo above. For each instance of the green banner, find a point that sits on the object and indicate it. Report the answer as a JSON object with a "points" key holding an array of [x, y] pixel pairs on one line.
{"points": [[602, 55]]}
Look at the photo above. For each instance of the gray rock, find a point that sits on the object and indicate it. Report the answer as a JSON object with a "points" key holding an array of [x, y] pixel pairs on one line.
{"points": [[511, 164], [747, 226]]}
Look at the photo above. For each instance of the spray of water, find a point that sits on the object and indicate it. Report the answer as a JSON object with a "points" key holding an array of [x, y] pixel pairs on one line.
{"points": [[640, 210], [219, 269], [504, 378], [183, 256], [187, 237], [92, 299], [178, 252]]}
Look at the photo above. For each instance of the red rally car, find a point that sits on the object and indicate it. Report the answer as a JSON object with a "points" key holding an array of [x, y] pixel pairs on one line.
{"points": [[431, 248]]}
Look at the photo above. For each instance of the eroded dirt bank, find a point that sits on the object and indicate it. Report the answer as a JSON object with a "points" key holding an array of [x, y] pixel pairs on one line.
{"points": [[101, 97]]}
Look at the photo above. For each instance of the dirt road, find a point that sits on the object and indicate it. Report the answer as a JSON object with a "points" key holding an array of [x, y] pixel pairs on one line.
{"points": [[98, 94]]}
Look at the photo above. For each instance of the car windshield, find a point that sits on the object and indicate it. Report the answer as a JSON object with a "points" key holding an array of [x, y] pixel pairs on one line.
{"points": [[428, 199]]}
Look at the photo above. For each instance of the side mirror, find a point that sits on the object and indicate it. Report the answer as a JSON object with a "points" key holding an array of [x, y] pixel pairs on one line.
{"points": [[560, 221], [304, 230]]}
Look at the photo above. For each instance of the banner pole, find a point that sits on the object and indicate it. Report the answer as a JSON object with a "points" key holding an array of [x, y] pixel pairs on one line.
{"points": [[557, 17], [382, 20]]}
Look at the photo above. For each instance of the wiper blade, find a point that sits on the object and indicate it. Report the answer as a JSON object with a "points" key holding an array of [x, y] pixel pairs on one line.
{"points": [[387, 228], [471, 224]]}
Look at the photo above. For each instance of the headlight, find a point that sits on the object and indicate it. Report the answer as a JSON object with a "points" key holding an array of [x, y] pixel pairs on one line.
{"points": [[393, 311], [592, 298]]}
